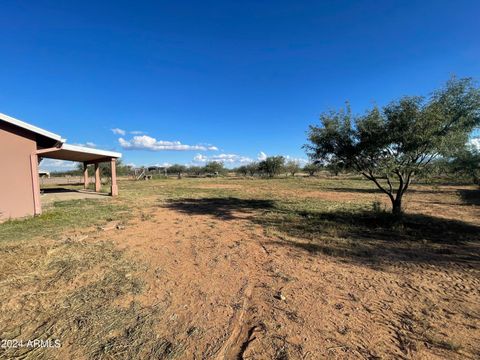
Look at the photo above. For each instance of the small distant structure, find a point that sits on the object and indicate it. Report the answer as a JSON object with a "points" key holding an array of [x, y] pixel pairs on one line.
{"points": [[148, 172], [44, 174], [157, 170], [140, 174]]}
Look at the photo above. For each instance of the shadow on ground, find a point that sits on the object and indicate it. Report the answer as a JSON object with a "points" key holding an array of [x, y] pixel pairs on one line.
{"points": [[470, 197], [360, 236], [374, 190], [57, 190], [226, 208], [374, 238]]}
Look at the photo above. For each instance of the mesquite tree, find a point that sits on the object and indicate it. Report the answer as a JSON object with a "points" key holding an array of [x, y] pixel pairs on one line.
{"points": [[467, 163], [214, 168], [292, 167], [272, 165], [177, 169], [311, 168], [389, 146]]}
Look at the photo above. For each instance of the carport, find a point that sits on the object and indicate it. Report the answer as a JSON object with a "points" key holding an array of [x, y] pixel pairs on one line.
{"points": [[87, 156], [22, 147]]}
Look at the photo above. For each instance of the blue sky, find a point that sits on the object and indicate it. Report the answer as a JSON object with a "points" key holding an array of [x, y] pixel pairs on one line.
{"points": [[221, 79]]}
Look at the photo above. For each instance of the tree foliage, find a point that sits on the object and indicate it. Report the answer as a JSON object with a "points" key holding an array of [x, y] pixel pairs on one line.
{"points": [[177, 169], [122, 169], [312, 168], [292, 167], [389, 146], [214, 168], [242, 170], [252, 168], [195, 170], [467, 163], [272, 165]]}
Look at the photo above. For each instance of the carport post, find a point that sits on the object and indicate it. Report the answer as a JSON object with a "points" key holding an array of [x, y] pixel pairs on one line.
{"points": [[85, 175], [97, 177], [113, 169]]}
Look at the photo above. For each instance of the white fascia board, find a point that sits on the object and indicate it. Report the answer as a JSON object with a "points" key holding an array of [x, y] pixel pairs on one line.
{"points": [[91, 151], [31, 128]]}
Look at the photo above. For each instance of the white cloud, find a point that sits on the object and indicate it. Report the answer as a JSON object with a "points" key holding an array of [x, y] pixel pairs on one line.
{"points": [[145, 142], [261, 156], [236, 160], [118, 131], [59, 165], [164, 164], [87, 144], [475, 143], [200, 158], [300, 161], [227, 159]]}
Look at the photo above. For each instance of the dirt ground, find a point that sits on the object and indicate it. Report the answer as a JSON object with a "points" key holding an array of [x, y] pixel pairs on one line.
{"points": [[52, 195], [230, 278]]}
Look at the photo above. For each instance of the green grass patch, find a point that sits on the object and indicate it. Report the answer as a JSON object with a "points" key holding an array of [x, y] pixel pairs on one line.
{"points": [[63, 215]]}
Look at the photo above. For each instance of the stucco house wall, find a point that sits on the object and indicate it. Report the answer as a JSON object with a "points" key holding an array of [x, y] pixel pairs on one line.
{"points": [[16, 190], [21, 147]]}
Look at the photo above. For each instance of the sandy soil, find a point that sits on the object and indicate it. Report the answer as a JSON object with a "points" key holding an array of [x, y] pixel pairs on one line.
{"points": [[53, 195], [230, 290], [217, 280]]}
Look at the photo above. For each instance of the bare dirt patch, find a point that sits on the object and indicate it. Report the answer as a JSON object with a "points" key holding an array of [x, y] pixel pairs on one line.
{"points": [[256, 277], [235, 291]]}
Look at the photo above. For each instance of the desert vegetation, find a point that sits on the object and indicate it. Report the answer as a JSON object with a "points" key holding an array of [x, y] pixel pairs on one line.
{"points": [[371, 250], [392, 145], [234, 267]]}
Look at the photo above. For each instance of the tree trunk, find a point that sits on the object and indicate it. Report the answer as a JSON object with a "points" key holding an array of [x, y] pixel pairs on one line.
{"points": [[397, 205]]}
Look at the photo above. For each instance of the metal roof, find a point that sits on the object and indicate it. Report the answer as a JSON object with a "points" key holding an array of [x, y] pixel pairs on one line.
{"points": [[62, 151], [31, 128], [79, 153]]}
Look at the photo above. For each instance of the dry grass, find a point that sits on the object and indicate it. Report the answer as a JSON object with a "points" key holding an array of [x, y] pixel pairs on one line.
{"points": [[81, 293], [63, 216], [63, 278]]}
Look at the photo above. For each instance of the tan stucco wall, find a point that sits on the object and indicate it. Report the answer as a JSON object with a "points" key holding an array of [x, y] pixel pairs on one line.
{"points": [[16, 191]]}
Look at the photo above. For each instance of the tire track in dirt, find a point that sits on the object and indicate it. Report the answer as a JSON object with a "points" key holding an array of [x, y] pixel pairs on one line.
{"points": [[240, 329], [217, 277], [222, 276]]}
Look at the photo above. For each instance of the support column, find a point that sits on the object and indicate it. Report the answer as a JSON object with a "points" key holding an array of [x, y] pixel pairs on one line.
{"points": [[98, 184], [85, 175], [113, 169], [37, 205]]}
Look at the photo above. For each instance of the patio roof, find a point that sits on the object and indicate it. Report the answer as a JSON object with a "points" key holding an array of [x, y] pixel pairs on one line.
{"points": [[42, 143], [53, 146], [78, 153]]}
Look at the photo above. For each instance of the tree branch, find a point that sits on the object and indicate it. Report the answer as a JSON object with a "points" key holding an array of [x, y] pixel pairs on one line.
{"points": [[389, 184], [372, 178], [409, 178], [401, 188]]}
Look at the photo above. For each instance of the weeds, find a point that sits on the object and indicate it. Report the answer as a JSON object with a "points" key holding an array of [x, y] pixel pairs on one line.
{"points": [[72, 214], [85, 293], [73, 292]]}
